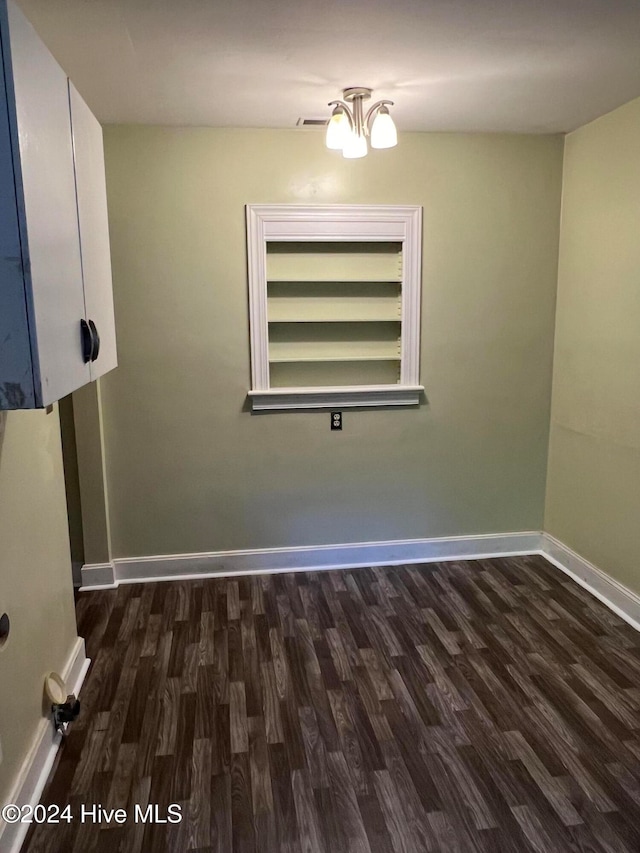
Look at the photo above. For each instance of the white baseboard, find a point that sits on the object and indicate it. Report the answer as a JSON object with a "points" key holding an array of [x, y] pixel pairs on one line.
{"points": [[323, 557], [307, 558], [97, 576], [39, 760], [609, 591], [613, 594]]}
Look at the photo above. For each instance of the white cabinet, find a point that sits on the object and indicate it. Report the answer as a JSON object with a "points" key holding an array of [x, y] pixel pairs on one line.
{"points": [[94, 230], [55, 277]]}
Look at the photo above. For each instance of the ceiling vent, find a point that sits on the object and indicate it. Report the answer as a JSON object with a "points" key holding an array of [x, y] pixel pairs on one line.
{"points": [[312, 122]]}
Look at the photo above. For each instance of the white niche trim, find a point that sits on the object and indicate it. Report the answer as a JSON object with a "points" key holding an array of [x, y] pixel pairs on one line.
{"points": [[334, 305]]}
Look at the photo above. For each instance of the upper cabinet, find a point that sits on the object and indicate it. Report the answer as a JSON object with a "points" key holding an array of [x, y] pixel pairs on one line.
{"points": [[91, 192], [56, 305]]}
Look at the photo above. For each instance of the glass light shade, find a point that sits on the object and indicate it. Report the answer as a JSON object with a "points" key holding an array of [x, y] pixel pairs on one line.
{"points": [[383, 130], [355, 146], [338, 130]]}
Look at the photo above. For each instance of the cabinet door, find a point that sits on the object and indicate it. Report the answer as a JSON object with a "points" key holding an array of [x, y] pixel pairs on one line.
{"points": [[49, 219], [94, 229], [16, 369]]}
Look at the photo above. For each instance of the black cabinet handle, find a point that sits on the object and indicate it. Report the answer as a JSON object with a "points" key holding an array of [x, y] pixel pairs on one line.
{"points": [[87, 341], [95, 351]]}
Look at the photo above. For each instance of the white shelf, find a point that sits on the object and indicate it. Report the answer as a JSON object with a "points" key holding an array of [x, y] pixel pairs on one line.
{"points": [[337, 280], [301, 359], [318, 310], [320, 374], [306, 262], [283, 351], [329, 319], [331, 302]]}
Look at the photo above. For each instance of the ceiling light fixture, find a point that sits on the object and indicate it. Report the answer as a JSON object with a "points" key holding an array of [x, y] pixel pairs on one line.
{"points": [[349, 127]]}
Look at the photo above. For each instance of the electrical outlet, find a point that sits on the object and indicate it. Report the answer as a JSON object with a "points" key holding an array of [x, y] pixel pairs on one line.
{"points": [[336, 420]]}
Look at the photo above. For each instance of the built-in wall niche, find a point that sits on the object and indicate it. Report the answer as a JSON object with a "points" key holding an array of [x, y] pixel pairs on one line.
{"points": [[334, 305]]}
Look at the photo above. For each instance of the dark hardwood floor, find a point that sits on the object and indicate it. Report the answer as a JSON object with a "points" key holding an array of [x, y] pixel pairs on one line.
{"points": [[471, 706]]}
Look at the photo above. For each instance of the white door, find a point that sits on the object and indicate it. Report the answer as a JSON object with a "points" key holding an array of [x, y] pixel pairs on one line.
{"points": [[94, 229], [48, 185]]}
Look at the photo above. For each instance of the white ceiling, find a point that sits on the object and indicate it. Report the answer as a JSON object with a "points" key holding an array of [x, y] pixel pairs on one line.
{"points": [[460, 65]]}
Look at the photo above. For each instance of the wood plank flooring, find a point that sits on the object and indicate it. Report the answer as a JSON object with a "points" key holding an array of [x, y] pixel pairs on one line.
{"points": [[471, 706]]}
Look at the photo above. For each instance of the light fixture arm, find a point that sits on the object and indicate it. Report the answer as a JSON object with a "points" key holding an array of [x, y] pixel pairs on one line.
{"points": [[358, 109], [358, 122], [345, 107]]}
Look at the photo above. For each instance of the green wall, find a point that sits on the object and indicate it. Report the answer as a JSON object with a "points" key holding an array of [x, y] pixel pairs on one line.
{"points": [[189, 469], [35, 578], [593, 495]]}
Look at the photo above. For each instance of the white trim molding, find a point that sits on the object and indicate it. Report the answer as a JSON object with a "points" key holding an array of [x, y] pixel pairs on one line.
{"points": [[320, 398], [98, 575], [608, 590], [310, 558], [39, 760], [343, 223]]}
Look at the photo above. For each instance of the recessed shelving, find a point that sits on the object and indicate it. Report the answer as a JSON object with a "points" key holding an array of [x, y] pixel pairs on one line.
{"points": [[334, 341], [331, 302], [291, 355], [337, 302], [328, 318], [334, 261], [330, 291], [308, 374]]}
